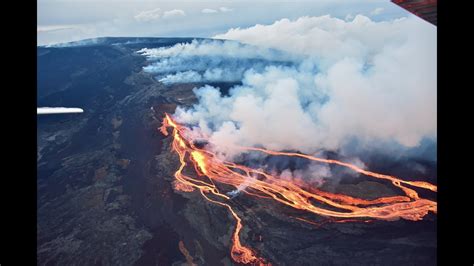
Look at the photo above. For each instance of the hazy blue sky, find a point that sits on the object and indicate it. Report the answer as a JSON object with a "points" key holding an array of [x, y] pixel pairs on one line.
{"points": [[68, 20]]}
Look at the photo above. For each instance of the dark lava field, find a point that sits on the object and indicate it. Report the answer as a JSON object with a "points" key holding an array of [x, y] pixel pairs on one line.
{"points": [[105, 180]]}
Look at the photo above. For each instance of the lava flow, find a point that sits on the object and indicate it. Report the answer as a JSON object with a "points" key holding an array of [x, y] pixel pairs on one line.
{"points": [[211, 171]]}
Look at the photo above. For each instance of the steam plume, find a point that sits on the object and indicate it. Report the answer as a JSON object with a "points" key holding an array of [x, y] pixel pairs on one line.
{"points": [[373, 82]]}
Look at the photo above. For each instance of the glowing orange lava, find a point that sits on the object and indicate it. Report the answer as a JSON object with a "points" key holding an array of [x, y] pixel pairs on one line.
{"points": [[210, 171]]}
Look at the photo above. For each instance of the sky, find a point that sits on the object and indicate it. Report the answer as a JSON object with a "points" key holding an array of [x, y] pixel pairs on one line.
{"points": [[72, 20]]}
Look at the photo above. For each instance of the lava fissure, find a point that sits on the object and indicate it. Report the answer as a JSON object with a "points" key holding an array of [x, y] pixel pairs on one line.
{"points": [[258, 183]]}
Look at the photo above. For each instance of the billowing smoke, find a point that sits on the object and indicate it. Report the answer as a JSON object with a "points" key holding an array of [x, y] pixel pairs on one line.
{"points": [[210, 61], [360, 81]]}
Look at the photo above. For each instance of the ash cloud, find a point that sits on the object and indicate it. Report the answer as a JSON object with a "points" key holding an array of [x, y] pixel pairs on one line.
{"points": [[360, 80]]}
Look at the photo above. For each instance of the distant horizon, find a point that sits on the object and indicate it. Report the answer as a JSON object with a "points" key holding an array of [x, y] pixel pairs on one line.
{"points": [[57, 24], [125, 37]]}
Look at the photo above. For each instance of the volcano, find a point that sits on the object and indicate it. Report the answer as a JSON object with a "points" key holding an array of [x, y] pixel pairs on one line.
{"points": [[124, 184]]}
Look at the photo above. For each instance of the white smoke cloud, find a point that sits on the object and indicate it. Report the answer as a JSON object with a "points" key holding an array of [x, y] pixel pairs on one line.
{"points": [[328, 39], [314, 174], [209, 61], [370, 81], [182, 77], [215, 49], [209, 75]]}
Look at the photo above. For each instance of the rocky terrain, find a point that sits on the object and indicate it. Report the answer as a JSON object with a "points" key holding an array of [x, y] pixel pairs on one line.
{"points": [[105, 181]]}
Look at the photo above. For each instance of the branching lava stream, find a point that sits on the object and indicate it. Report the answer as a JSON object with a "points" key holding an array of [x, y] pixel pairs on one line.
{"points": [[210, 170]]}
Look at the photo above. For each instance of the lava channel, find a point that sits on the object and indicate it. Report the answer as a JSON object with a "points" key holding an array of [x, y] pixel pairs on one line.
{"points": [[299, 196]]}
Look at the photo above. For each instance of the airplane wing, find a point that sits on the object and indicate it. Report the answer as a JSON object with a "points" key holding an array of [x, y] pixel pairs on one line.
{"points": [[57, 110], [425, 9]]}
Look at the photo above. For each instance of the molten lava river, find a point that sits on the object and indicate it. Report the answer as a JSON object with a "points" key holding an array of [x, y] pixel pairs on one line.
{"points": [[211, 171]]}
